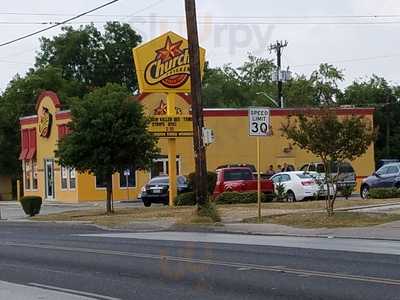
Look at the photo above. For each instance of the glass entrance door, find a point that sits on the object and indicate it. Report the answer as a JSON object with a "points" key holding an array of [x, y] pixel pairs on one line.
{"points": [[160, 167], [49, 179]]}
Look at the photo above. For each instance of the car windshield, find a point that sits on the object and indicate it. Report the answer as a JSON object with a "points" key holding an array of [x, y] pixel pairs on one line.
{"points": [[237, 174], [159, 180], [165, 180], [304, 176]]}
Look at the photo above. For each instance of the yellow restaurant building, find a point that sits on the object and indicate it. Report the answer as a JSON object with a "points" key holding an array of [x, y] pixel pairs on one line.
{"points": [[44, 177]]}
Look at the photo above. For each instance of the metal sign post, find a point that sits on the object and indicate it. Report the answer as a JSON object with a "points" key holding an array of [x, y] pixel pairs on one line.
{"points": [[127, 173], [259, 125], [171, 152]]}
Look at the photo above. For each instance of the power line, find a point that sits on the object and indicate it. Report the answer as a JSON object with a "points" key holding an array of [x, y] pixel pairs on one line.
{"points": [[350, 60], [57, 24], [218, 17], [154, 21]]}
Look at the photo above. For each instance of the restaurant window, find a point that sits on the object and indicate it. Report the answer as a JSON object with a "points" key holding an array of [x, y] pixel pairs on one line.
{"points": [[127, 177], [101, 182], [34, 175], [68, 178], [27, 175], [72, 178], [64, 178]]}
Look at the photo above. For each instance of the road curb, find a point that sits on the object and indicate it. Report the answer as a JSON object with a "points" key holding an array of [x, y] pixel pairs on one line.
{"points": [[206, 229]]}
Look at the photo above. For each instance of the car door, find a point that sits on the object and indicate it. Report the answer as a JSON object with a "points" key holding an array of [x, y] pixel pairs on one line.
{"points": [[286, 182], [390, 176], [378, 180]]}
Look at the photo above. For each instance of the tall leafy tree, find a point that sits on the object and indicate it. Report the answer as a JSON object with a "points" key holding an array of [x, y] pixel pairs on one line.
{"points": [[108, 135], [87, 55], [378, 93], [239, 87], [332, 139], [299, 92], [325, 82]]}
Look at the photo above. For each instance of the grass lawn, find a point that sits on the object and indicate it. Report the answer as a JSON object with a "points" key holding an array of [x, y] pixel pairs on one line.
{"points": [[184, 215], [339, 203], [321, 220], [122, 216]]}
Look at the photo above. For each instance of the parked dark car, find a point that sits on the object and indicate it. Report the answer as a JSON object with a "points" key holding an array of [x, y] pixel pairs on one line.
{"points": [[346, 177], [157, 190], [388, 176], [385, 161]]}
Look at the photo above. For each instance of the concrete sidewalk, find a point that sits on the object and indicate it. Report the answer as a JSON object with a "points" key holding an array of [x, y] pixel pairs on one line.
{"points": [[388, 231], [12, 210]]}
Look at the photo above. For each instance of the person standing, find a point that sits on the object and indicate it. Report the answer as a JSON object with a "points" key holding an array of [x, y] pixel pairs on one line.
{"points": [[270, 171]]}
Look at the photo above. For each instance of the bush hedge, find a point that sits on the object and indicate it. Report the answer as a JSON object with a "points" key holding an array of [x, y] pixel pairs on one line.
{"points": [[211, 181], [239, 198], [384, 193], [31, 205], [185, 199]]}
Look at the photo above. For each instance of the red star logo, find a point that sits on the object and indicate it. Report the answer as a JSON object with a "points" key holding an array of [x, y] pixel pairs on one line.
{"points": [[169, 51]]}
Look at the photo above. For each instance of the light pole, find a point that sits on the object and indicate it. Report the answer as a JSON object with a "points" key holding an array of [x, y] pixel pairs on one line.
{"points": [[269, 98]]}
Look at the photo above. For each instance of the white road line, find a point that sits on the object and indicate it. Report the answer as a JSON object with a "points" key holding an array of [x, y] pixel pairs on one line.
{"points": [[339, 244], [235, 265], [75, 292], [15, 291]]}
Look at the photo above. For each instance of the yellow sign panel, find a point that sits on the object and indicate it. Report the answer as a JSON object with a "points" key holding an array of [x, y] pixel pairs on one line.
{"points": [[162, 65], [171, 126]]}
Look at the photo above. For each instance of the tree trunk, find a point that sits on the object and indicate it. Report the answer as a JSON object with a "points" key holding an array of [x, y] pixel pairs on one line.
{"points": [[109, 188]]}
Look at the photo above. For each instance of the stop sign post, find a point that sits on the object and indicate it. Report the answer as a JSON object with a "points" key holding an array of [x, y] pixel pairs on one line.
{"points": [[259, 125]]}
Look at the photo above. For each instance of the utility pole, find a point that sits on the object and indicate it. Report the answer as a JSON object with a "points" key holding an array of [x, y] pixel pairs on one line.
{"points": [[197, 105], [388, 115], [278, 46]]}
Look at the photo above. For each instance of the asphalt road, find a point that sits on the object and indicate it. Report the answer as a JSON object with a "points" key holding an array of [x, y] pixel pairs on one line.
{"points": [[56, 261]]}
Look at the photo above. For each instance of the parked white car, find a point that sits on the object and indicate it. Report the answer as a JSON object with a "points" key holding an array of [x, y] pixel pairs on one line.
{"points": [[298, 185]]}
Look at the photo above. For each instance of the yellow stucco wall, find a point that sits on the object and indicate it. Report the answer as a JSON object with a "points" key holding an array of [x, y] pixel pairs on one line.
{"points": [[232, 145], [5, 188]]}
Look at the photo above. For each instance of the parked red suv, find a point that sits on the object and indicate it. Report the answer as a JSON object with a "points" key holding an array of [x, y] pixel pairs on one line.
{"points": [[240, 179]]}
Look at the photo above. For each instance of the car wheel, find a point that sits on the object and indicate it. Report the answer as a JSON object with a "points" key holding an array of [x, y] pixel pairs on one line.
{"points": [[290, 196], [147, 203], [364, 191]]}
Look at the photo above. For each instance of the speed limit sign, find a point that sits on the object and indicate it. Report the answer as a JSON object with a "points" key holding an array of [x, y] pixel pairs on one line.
{"points": [[259, 121]]}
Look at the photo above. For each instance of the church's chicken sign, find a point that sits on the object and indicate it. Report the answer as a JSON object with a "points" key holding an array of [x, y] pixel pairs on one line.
{"points": [[162, 65]]}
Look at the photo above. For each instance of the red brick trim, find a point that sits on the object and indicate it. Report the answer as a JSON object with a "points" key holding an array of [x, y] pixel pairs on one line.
{"points": [[209, 112], [63, 115], [28, 120], [53, 96]]}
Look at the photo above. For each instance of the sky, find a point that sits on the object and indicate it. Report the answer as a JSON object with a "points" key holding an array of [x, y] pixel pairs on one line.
{"points": [[349, 37]]}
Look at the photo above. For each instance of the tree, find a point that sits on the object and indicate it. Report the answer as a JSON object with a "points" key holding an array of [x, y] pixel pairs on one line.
{"points": [[239, 87], [93, 58], [18, 100], [331, 139], [325, 81], [377, 92], [299, 92], [108, 134]]}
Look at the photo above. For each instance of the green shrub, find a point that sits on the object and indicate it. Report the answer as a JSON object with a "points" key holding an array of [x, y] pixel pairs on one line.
{"points": [[209, 210], [347, 190], [384, 193], [280, 192], [211, 181], [237, 198], [31, 205], [185, 199]]}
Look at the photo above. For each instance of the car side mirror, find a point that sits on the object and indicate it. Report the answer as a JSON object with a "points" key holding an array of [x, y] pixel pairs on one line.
{"points": [[376, 174]]}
